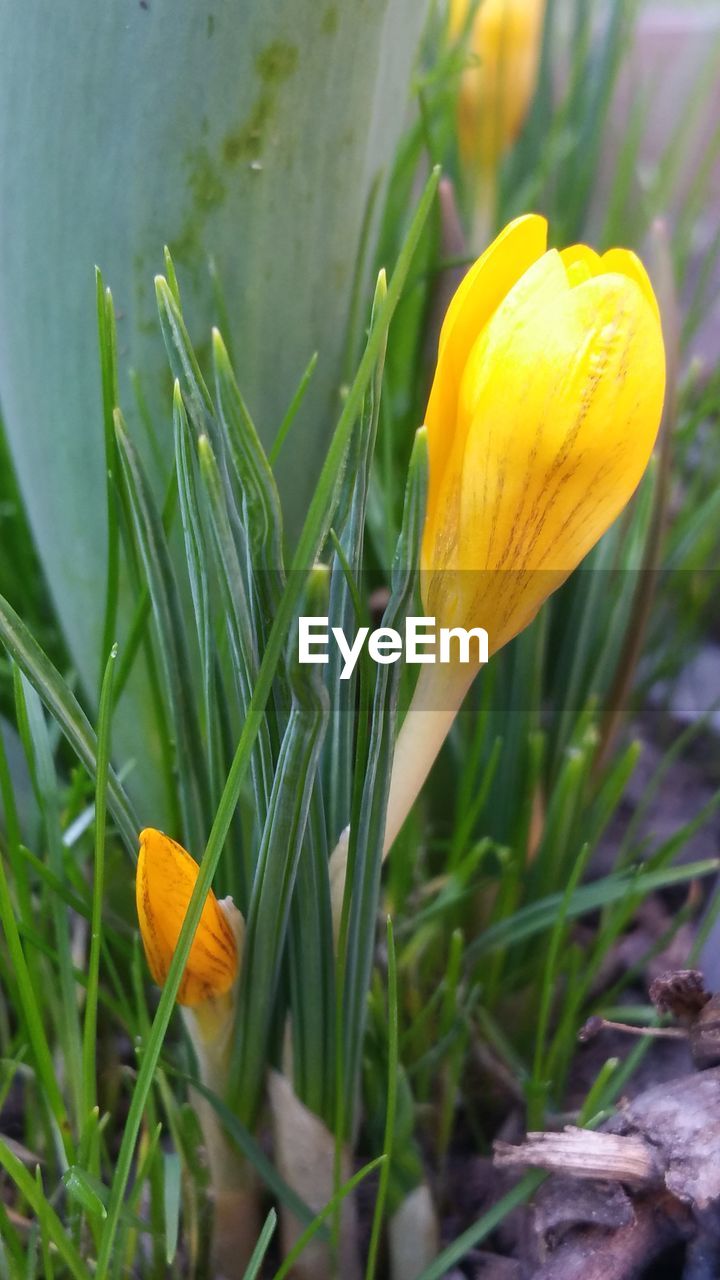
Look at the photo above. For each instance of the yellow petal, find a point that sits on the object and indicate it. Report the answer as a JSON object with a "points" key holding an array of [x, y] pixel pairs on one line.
{"points": [[580, 262], [559, 408], [165, 879], [626, 263], [482, 290], [527, 295]]}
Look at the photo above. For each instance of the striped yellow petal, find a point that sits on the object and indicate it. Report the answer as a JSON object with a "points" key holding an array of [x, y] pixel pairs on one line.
{"points": [[481, 292], [626, 263], [555, 417], [165, 879]]}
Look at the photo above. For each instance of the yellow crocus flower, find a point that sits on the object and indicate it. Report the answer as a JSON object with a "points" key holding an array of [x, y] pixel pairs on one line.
{"points": [[497, 87], [165, 879], [544, 410]]}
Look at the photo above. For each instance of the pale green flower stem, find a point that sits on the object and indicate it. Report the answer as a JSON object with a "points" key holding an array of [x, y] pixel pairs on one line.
{"points": [[436, 701], [484, 210], [236, 1208], [438, 696]]}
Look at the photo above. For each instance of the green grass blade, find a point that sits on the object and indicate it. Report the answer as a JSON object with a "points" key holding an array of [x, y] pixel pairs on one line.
{"points": [[181, 356], [38, 745], [171, 1203], [343, 611], [480, 1230], [292, 410], [268, 914], [137, 630], [392, 1081], [66, 711], [35, 1197], [28, 1003], [311, 971], [89, 1043], [191, 522], [330, 1208], [11, 824], [107, 341], [170, 623], [539, 916], [245, 642], [360, 903], [260, 498], [258, 1254], [536, 1086]]}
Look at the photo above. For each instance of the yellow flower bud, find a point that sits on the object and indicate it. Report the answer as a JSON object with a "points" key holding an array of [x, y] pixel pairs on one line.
{"points": [[544, 410], [165, 879], [543, 413], [497, 87]]}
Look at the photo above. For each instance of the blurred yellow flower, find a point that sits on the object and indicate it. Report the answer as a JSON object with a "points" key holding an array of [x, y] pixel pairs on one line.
{"points": [[543, 413], [497, 87], [165, 879]]}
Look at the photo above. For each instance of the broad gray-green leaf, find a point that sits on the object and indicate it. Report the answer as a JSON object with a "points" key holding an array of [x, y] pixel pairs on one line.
{"points": [[250, 132]]}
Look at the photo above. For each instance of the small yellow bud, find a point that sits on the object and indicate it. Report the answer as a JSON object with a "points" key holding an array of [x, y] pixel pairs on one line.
{"points": [[496, 89], [165, 879]]}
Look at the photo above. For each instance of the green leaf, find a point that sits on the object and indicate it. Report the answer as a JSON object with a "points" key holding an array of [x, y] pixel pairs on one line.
{"points": [[244, 641], [343, 612], [172, 640], [38, 747], [261, 502], [292, 409], [392, 1085], [330, 1208], [172, 1200], [107, 340], [28, 1187], [258, 1254], [311, 948], [268, 913], [86, 1190], [206, 157], [360, 901], [89, 1042], [191, 521], [29, 1004], [66, 711], [481, 1229], [539, 916]]}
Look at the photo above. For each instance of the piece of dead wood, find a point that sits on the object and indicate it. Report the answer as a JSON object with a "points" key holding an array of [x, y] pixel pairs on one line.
{"points": [[670, 1134], [562, 1204], [581, 1153], [681, 1120], [595, 1254], [661, 1152]]}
